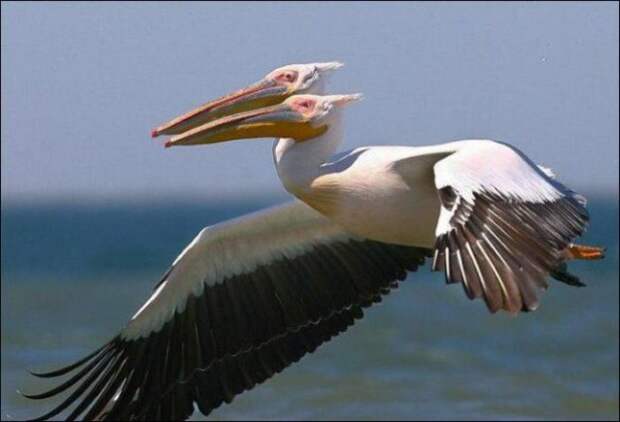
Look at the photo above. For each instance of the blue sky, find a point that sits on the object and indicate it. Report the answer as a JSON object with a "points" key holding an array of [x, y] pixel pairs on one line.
{"points": [[84, 83]]}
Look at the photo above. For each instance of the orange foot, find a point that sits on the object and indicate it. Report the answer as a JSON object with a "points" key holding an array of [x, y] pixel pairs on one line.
{"points": [[575, 251]]}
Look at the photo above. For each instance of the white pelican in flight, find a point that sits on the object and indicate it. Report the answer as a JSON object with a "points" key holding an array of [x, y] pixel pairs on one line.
{"points": [[248, 297]]}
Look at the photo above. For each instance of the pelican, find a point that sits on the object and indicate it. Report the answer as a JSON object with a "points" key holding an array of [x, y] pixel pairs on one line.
{"points": [[250, 296]]}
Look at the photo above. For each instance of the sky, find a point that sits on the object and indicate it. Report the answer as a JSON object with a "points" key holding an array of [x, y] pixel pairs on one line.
{"points": [[84, 83]]}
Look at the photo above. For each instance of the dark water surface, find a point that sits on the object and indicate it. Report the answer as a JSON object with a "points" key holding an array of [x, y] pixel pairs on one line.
{"points": [[72, 274]]}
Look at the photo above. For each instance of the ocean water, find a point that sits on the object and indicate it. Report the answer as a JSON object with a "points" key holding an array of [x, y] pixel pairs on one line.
{"points": [[73, 273]]}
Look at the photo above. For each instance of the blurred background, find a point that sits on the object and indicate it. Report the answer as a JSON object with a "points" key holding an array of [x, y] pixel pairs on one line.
{"points": [[94, 210]]}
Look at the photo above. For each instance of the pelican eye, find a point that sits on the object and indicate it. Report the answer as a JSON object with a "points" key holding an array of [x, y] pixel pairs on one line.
{"points": [[304, 105], [288, 77]]}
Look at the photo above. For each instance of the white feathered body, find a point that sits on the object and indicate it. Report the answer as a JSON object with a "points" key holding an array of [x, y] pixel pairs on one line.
{"points": [[389, 193]]}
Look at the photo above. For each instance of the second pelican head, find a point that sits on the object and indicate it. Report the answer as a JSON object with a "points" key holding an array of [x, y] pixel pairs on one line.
{"points": [[274, 88]]}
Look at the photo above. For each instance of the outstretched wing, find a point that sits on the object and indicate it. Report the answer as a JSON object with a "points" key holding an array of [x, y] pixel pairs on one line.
{"points": [[503, 224], [244, 300]]}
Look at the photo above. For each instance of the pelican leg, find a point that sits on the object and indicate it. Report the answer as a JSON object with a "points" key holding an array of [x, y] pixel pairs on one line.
{"points": [[575, 251]]}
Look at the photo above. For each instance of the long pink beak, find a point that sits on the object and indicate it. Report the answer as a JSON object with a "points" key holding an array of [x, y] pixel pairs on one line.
{"points": [[260, 94]]}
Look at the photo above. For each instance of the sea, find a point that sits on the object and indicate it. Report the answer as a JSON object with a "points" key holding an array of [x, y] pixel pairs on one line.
{"points": [[74, 271]]}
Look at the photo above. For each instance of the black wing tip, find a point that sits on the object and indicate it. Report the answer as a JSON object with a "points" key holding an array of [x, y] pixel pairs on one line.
{"points": [[50, 374], [37, 374], [66, 369], [29, 396], [55, 372]]}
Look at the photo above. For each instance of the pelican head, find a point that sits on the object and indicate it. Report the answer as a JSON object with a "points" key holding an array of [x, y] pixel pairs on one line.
{"points": [[272, 89], [300, 117]]}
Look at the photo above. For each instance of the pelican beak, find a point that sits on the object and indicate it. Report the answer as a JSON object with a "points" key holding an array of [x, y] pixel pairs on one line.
{"points": [[263, 93], [273, 121]]}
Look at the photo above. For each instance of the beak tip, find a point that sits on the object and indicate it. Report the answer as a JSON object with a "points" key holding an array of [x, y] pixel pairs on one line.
{"points": [[168, 144], [154, 133]]}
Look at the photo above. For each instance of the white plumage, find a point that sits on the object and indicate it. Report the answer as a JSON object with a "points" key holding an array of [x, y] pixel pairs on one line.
{"points": [[250, 296], [232, 248]]}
